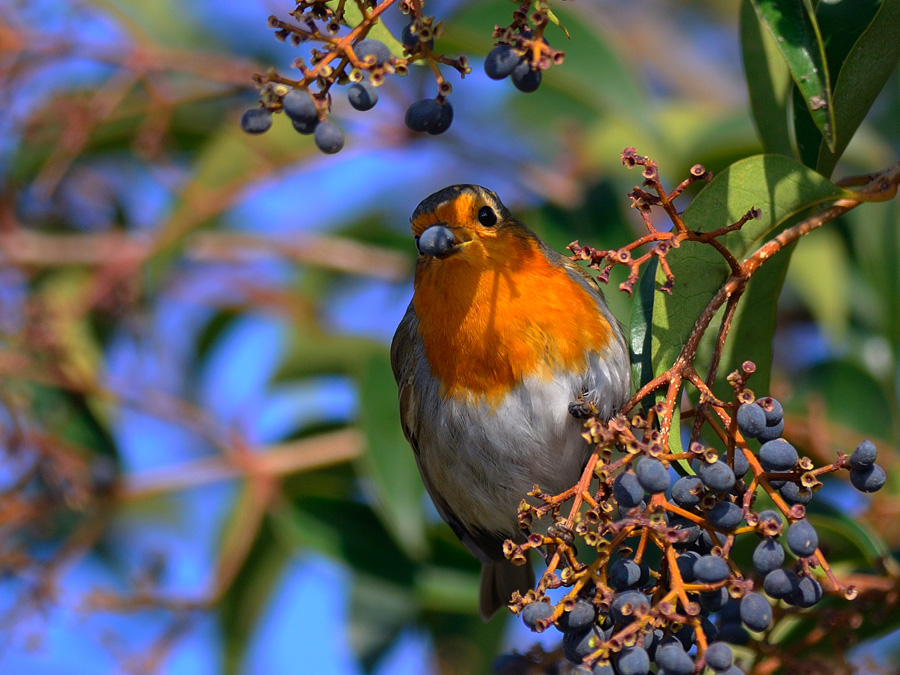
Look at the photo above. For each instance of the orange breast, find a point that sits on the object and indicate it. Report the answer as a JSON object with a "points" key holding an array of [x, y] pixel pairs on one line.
{"points": [[497, 312]]}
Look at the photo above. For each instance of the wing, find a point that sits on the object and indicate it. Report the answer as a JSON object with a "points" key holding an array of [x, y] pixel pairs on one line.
{"points": [[406, 356]]}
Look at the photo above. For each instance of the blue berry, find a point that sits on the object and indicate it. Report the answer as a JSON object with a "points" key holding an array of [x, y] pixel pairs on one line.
{"points": [[778, 456], [741, 463], [771, 433], [717, 476], [501, 61], [677, 522], [734, 670], [685, 563], [603, 669], [652, 475], [632, 661], [751, 419], [733, 633], [793, 493], [767, 556], [627, 490], [626, 604], [756, 612], [865, 455], [711, 569], [625, 574], [362, 95], [802, 538], [868, 479], [329, 138], [437, 241], [709, 540], [780, 583], [807, 593], [578, 644], [300, 107], [674, 660], [719, 656], [305, 128], [423, 115], [374, 48], [769, 516], [713, 601], [525, 79], [534, 612], [256, 121], [725, 516], [579, 617], [410, 38], [773, 410], [444, 121], [686, 491]]}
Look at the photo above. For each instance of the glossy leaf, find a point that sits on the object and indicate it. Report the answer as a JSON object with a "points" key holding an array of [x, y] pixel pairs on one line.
{"points": [[796, 33], [779, 187], [768, 82], [869, 63]]}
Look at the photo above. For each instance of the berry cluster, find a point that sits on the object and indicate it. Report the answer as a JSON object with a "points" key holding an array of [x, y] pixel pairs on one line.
{"points": [[664, 587], [355, 60], [361, 62], [522, 52]]}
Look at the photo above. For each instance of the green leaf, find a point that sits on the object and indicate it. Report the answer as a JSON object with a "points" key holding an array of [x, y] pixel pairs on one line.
{"points": [[353, 16], [796, 33], [768, 82], [852, 397], [819, 271], [779, 187], [640, 329], [314, 352], [379, 611], [868, 65], [388, 462], [248, 595]]}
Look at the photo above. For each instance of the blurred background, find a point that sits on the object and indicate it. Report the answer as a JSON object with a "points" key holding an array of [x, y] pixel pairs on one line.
{"points": [[202, 467]]}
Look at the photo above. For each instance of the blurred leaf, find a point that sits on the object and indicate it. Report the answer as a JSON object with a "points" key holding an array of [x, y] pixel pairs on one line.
{"points": [[447, 589], [796, 33], [875, 235], [346, 531], [312, 352], [388, 461], [818, 272], [851, 395], [379, 611], [779, 187], [150, 21], [868, 65], [768, 82], [230, 162], [241, 607]]}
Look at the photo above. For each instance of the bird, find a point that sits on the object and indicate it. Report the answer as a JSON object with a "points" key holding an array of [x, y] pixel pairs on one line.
{"points": [[502, 348]]}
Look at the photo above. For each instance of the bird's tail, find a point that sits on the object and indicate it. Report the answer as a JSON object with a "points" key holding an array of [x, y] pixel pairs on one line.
{"points": [[498, 581]]}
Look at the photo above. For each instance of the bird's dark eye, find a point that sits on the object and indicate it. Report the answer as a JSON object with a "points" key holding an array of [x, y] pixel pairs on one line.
{"points": [[486, 216]]}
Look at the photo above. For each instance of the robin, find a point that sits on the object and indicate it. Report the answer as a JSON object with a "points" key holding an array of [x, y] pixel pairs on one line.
{"points": [[504, 345]]}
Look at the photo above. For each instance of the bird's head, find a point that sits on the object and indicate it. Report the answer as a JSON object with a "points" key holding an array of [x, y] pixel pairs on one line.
{"points": [[459, 217]]}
